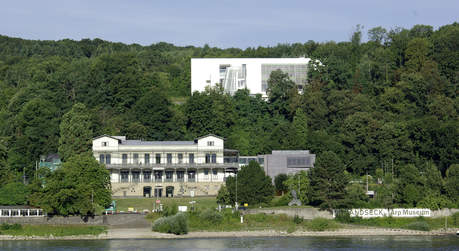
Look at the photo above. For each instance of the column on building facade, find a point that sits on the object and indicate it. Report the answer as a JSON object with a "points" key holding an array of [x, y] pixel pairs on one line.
{"points": [[119, 175], [163, 174], [141, 175]]}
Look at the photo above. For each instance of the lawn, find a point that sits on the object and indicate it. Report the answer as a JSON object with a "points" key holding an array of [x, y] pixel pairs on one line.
{"points": [[47, 230], [140, 204]]}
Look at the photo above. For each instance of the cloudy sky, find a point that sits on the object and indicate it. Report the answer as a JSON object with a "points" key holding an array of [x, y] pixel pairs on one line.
{"points": [[221, 23]]}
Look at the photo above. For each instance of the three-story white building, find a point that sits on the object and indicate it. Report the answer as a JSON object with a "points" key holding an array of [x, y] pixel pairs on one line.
{"points": [[165, 168]]}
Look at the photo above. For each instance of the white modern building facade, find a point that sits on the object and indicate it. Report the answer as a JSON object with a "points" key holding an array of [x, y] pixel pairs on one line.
{"points": [[245, 73], [165, 168]]}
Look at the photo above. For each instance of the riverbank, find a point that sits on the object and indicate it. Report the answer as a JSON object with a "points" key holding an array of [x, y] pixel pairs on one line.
{"points": [[144, 233]]}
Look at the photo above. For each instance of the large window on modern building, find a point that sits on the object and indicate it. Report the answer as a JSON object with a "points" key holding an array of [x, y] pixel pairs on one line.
{"points": [[214, 158], [169, 158], [158, 158], [207, 158], [124, 158], [147, 159], [191, 158], [180, 158], [102, 159], [108, 159], [136, 158], [298, 162]]}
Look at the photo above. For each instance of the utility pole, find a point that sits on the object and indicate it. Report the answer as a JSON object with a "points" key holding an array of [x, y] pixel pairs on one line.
{"points": [[236, 192]]}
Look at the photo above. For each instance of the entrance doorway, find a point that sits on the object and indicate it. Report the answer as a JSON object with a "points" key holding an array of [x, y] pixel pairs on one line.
{"points": [[158, 192], [147, 191], [170, 191]]}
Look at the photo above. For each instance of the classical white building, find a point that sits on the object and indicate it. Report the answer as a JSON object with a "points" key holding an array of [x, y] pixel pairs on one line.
{"points": [[165, 168], [240, 73]]}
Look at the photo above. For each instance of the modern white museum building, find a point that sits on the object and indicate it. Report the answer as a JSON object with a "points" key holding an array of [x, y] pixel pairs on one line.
{"points": [[245, 73]]}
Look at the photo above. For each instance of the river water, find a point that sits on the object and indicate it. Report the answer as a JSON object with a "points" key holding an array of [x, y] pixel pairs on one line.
{"points": [[252, 243]]}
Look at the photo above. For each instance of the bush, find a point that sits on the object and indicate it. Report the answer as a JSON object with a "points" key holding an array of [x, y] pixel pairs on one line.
{"points": [[297, 219], [211, 216], [455, 218], [176, 224], [169, 210], [282, 201], [6, 226], [418, 225], [321, 224]]}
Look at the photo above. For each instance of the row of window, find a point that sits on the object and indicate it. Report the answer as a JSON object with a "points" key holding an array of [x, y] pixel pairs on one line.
{"points": [[106, 158], [159, 175]]}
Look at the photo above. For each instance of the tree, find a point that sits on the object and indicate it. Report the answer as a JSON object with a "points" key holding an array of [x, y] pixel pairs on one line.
{"points": [[280, 92], [253, 185], [75, 132], [279, 183], [152, 110], [328, 181], [223, 196], [300, 125], [377, 34], [14, 193], [452, 182], [301, 184], [79, 187]]}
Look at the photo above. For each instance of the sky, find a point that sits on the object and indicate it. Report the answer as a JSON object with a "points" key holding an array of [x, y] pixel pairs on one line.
{"points": [[219, 23]]}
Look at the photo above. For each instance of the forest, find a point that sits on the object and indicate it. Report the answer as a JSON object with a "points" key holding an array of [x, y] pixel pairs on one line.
{"points": [[386, 106]]}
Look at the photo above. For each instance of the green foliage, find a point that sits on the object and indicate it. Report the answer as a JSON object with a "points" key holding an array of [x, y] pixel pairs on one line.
{"points": [[321, 224], [418, 225], [75, 132], [253, 185], [14, 194], [77, 188], [279, 183], [301, 184], [328, 182], [169, 210], [54, 230], [211, 216], [389, 100], [452, 182], [176, 224], [6, 226], [297, 219], [223, 196]]}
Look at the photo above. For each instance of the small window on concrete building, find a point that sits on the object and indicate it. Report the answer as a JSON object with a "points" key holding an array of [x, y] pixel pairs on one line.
{"points": [[101, 159], [214, 172], [210, 143], [124, 158], [207, 158], [214, 158], [191, 158], [104, 143], [206, 172], [180, 158]]}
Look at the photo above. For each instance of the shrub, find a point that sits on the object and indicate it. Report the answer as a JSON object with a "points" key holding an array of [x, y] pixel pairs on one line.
{"points": [[282, 201], [169, 210], [176, 224], [418, 225], [297, 219], [321, 224], [6, 226], [455, 217], [211, 216]]}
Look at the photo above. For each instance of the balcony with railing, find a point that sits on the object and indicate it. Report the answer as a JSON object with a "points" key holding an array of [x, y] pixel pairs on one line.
{"points": [[173, 165]]}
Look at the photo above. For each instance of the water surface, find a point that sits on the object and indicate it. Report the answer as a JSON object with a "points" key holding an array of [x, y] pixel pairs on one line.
{"points": [[251, 243]]}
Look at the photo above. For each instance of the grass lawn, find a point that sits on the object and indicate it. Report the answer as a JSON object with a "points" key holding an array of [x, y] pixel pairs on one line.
{"points": [[140, 204], [47, 230], [418, 223]]}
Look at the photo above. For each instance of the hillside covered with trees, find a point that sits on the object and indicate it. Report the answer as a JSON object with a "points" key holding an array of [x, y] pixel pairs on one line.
{"points": [[388, 106]]}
